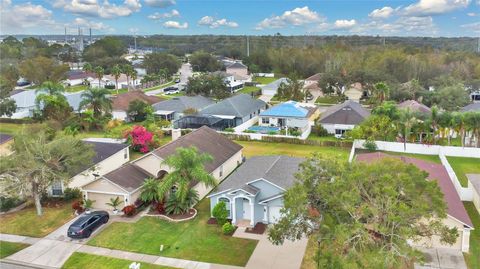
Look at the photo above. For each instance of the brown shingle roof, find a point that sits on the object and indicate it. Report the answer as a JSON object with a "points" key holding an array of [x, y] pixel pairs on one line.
{"points": [[349, 112], [129, 176], [415, 106], [315, 77], [206, 140], [121, 101]]}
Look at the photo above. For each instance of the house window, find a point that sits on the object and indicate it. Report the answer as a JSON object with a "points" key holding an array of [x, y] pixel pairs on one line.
{"points": [[57, 188], [227, 204], [125, 153], [265, 120], [339, 132]]}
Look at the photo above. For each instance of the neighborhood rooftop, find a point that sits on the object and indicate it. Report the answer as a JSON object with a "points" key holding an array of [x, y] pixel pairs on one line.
{"points": [[286, 109], [181, 103], [435, 172], [414, 106], [349, 112], [122, 101], [471, 107], [129, 177], [206, 140], [240, 105], [279, 170]]}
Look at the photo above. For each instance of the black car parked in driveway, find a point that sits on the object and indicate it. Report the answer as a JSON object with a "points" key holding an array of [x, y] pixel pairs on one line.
{"points": [[84, 226]]}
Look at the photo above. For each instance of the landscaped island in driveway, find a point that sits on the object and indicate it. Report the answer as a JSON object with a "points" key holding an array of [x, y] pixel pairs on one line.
{"points": [[191, 240]]}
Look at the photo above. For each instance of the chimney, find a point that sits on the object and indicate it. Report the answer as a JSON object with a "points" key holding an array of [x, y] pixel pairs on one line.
{"points": [[176, 133]]}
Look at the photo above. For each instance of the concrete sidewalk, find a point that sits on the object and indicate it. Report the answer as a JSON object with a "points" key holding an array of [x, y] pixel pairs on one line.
{"points": [[19, 239]]}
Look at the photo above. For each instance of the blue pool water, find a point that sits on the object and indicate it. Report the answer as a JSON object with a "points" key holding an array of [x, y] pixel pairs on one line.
{"points": [[264, 129]]}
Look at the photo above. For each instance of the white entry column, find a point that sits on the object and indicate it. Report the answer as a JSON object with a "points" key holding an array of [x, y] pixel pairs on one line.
{"points": [[252, 212]]}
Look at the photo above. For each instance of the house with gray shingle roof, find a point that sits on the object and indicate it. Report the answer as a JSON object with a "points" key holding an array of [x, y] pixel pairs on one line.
{"points": [[174, 108], [254, 192], [340, 118], [272, 88]]}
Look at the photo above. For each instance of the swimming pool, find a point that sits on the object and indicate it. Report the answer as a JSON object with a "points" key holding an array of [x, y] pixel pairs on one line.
{"points": [[264, 129]]}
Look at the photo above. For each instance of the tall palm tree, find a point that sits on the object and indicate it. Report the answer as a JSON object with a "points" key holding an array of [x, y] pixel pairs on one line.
{"points": [[127, 70], [472, 124], [434, 118], [99, 72], [458, 124], [96, 99], [51, 88], [133, 75], [187, 166], [445, 125], [51, 101], [407, 121], [116, 72]]}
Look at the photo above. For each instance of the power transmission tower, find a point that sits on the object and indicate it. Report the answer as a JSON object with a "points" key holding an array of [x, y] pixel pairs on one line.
{"points": [[248, 46]]}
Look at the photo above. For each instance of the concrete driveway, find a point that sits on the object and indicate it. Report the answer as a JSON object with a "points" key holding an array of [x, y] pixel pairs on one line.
{"points": [[442, 258], [269, 256]]}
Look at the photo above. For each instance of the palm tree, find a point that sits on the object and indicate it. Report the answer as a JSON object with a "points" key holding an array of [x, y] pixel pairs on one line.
{"points": [[87, 67], [99, 73], [96, 99], [51, 101], [472, 123], [116, 72], [382, 91], [51, 88], [187, 166], [127, 69], [434, 118], [407, 121], [149, 191], [133, 75], [458, 124], [445, 124]]}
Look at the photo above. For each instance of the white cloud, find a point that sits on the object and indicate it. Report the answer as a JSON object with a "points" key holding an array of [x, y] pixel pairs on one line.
{"points": [[100, 26], [344, 24], [382, 13], [296, 17], [160, 3], [434, 7], [22, 17], [94, 8], [166, 15], [471, 14], [214, 23], [401, 26], [175, 25], [474, 27]]}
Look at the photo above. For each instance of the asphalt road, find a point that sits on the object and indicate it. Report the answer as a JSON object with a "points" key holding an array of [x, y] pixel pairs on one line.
{"points": [[185, 72]]}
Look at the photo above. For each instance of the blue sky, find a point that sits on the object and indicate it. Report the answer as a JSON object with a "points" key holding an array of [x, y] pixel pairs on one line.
{"points": [[240, 17]]}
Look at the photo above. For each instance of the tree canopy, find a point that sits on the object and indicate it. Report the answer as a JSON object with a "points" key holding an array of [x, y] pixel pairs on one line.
{"points": [[362, 215], [204, 62], [208, 85], [154, 62]]}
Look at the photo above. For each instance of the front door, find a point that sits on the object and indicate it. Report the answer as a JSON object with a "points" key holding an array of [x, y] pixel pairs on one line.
{"points": [[246, 209]]}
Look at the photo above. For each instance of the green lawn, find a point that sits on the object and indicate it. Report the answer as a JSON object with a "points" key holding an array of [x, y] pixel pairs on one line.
{"points": [[253, 148], [263, 80], [249, 89], [328, 99], [191, 240], [11, 128], [26, 222], [9, 248], [473, 258], [83, 260], [332, 138], [170, 96], [463, 166], [76, 88]]}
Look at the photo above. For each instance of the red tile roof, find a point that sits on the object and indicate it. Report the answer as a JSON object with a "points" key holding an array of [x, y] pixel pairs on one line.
{"points": [[436, 172]]}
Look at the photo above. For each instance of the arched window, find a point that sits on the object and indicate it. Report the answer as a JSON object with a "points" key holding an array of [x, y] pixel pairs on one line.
{"points": [[227, 204], [161, 174]]}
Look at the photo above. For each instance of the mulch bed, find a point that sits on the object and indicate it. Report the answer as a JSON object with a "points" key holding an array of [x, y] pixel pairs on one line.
{"points": [[186, 215], [212, 221], [259, 228]]}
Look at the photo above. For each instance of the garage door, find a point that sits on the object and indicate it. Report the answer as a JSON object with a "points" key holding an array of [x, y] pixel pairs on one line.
{"points": [[101, 200], [273, 214]]}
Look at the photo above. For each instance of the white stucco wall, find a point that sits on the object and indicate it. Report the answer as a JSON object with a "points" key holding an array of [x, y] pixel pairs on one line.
{"points": [[332, 127], [111, 163], [149, 163], [119, 115]]}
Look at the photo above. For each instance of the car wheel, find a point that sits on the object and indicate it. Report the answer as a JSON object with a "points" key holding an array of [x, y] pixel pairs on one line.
{"points": [[88, 233], [105, 220]]}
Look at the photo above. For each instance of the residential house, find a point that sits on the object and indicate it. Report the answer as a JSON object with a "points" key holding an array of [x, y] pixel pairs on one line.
{"points": [[414, 106], [6, 142], [340, 118], [121, 102], [108, 156], [25, 101], [229, 112], [78, 77], [290, 115], [272, 88], [254, 192], [457, 216], [474, 186], [238, 69], [354, 92], [234, 82], [123, 81], [313, 79], [474, 107], [126, 181], [173, 109]]}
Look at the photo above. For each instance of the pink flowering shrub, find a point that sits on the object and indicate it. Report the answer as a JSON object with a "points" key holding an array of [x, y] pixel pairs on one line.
{"points": [[140, 138]]}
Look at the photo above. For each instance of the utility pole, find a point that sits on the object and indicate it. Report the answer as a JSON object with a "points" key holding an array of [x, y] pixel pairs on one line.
{"points": [[478, 45], [66, 35], [91, 40], [248, 47], [384, 41]]}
